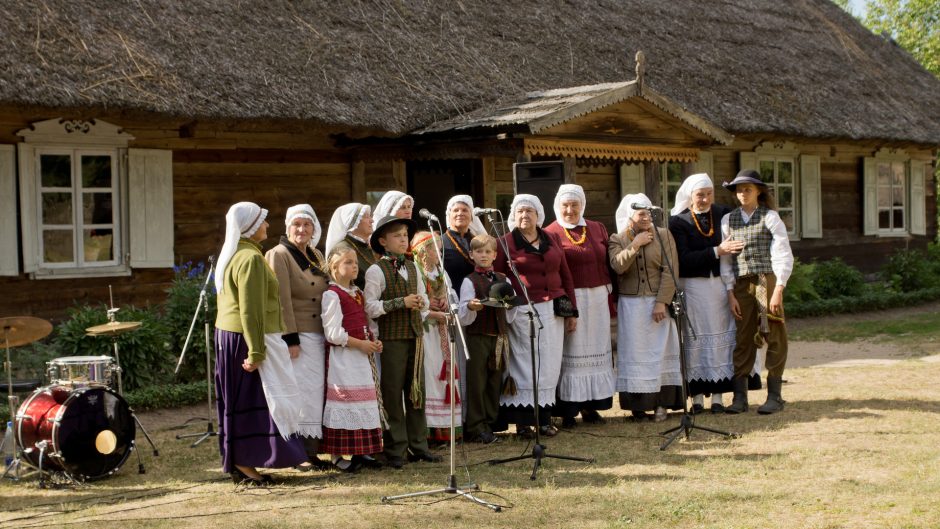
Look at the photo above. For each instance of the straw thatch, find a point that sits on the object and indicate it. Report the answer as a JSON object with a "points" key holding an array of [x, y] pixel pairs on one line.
{"points": [[800, 67]]}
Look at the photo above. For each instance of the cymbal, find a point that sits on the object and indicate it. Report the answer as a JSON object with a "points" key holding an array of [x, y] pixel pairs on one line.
{"points": [[23, 330], [505, 303], [113, 328]]}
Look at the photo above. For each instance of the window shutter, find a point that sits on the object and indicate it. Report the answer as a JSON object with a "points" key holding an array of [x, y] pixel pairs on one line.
{"points": [[632, 179], [747, 160], [150, 207], [9, 238], [811, 196], [918, 207], [870, 197], [705, 164], [28, 217]]}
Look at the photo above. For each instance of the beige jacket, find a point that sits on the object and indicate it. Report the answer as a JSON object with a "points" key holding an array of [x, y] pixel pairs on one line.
{"points": [[301, 292], [642, 272]]}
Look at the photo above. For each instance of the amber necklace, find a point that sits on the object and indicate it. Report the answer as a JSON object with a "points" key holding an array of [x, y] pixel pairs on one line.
{"points": [[319, 264], [711, 224], [578, 242], [369, 259], [459, 248]]}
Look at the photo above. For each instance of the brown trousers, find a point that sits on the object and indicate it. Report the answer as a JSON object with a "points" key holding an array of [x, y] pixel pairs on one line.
{"points": [[745, 350]]}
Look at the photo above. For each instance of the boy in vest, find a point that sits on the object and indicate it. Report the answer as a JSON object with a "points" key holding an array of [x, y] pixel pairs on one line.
{"points": [[487, 342], [755, 279], [396, 299]]}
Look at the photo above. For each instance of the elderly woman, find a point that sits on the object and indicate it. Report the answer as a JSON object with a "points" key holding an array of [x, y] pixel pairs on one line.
{"points": [[587, 371], [394, 204], [648, 375], [301, 274], [540, 260], [353, 223], [248, 336]]}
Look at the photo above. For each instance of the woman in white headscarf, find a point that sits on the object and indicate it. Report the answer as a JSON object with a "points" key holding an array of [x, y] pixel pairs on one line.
{"points": [[695, 227], [587, 369], [353, 223], [540, 260], [248, 338], [394, 204], [302, 276], [648, 376]]}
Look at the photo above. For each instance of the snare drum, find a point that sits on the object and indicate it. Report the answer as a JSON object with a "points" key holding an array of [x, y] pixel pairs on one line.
{"points": [[81, 371]]}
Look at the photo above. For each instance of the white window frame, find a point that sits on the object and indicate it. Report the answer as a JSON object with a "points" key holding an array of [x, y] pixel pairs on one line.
{"points": [[777, 152], [912, 194], [667, 199], [74, 138]]}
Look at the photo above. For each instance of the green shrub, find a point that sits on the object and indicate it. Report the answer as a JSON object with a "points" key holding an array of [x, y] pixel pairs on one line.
{"points": [[153, 397], [800, 286], [834, 278], [909, 270], [181, 304], [873, 299]]}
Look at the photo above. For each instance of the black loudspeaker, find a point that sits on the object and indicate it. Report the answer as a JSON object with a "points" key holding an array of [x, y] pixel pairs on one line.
{"points": [[541, 179]]}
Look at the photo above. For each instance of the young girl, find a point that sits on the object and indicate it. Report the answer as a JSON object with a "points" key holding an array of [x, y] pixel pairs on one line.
{"points": [[353, 417], [436, 344]]}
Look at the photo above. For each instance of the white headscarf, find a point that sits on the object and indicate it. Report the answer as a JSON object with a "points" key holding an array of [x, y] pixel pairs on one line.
{"points": [[242, 220], [689, 186], [531, 201], [625, 211], [344, 220], [390, 203], [305, 211], [566, 193], [476, 226]]}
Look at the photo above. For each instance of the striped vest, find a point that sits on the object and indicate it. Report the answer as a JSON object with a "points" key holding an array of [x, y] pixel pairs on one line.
{"points": [[400, 324], [755, 258], [490, 321]]}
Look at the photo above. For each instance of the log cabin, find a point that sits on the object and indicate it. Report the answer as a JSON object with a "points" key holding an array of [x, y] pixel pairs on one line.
{"points": [[128, 128]]}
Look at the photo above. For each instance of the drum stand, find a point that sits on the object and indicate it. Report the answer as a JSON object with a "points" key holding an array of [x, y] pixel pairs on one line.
{"points": [[13, 469]]}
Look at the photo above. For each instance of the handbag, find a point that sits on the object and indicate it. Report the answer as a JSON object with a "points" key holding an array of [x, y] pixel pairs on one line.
{"points": [[564, 308]]}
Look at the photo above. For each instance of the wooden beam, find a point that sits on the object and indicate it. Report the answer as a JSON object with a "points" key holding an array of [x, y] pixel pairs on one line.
{"points": [[358, 181], [489, 182], [399, 175], [571, 167]]}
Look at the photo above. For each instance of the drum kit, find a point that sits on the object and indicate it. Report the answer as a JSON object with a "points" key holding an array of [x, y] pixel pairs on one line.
{"points": [[77, 425]]}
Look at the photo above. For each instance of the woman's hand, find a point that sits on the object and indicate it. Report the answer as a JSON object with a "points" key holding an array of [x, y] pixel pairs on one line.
{"points": [[248, 366], [730, 247], [439, 316], [733, 304], [642, 239], [439, 304], [474, 305], [294, 351], [776, 301], [659, 312], [413, 301], [571, 324], [366, 346]]}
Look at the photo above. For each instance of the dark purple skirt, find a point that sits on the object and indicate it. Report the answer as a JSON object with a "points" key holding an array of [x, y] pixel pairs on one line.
{"points": [[247, 434]]}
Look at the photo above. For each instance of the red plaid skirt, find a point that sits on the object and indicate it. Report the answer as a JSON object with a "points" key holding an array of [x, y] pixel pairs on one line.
{"points": [[351, 442]]}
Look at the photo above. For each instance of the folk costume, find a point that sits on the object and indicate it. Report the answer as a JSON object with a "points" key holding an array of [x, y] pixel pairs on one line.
{"points": [[390, 203], [353, 417], [345, 219], [401, 330], [302, 279], [648, 374], [547, 278], [249, 325], [752, 275], [436, 343], [587, 368]]}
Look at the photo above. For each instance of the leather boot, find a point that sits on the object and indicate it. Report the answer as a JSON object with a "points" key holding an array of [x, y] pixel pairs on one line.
{"points": [[774, 400], [739, 402]]}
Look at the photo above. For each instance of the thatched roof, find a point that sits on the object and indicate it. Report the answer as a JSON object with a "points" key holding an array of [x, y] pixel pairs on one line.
{"points": [[801, 67]]}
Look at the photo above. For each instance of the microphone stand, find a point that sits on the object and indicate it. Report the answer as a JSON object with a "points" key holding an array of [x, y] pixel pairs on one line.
{"points": [[201, 305], [687, 421], [453, 325], [539, 450]]}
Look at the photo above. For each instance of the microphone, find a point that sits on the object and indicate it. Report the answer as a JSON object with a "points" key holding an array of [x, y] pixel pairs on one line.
{"points": [[484, 211], [424, 213], [643, 206]]}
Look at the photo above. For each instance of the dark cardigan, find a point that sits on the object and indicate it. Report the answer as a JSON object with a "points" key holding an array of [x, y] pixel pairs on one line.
{"points": [[697, 252]]}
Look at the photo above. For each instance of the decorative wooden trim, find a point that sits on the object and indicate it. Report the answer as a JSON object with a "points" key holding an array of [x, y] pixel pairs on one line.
{"points": [[608, 151], [75, 132]]}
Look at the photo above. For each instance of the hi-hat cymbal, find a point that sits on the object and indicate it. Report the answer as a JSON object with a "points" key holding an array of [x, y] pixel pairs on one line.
{"points": [[505, 303], [112, 328], [23, 330]]}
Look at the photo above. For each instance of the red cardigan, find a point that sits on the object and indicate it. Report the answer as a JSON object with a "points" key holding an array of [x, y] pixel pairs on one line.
{"points": [[546, 275], [588, 261]]}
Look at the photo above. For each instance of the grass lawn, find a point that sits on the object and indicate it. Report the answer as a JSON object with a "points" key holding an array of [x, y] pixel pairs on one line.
{"points": [[856, 447]]}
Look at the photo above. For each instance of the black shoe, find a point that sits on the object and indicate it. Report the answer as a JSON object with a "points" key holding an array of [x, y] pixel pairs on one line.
{"points": [[394, 462], [240, 478], [718, 408], [424, 456], [697, 408], [568, 422], [485, 438], [592, 417], [525, 432], [367, 462]]}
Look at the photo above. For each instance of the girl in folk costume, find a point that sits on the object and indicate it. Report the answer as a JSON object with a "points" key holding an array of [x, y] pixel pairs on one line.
{"points": [[394, 204], [248, 348], [587, 368], [648, 376], [755, 279], [436, 343], [353, 417], [353, 223]]}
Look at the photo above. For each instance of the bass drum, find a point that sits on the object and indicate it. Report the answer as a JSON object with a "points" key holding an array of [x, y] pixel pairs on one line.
{"points": [[88, 432]]}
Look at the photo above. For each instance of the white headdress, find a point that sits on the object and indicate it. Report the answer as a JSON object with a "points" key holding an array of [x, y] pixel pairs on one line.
{"points": [[531, 201], [344, 220], [565, 193], [476, 226], [305, 211], [242, 220], [390, 203], [625, 210], [689, 186]]}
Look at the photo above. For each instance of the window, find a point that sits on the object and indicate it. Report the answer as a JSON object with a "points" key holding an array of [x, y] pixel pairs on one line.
{"points": [[670, 181], [894, 194], [778, 173], [795, 181], [891, 197]]}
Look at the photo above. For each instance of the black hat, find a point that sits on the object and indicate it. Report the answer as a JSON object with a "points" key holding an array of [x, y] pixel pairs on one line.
{"points": [[745, 176], [383, 226]]}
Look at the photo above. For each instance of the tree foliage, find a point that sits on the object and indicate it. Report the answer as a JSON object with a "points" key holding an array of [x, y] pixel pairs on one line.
{"points": [[913, 24]]}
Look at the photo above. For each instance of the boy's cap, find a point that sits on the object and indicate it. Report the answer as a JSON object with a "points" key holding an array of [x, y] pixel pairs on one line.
{"points": [[384, 225]]}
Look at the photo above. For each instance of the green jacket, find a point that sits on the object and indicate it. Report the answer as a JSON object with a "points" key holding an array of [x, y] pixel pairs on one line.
{"points": [[249, 302]]}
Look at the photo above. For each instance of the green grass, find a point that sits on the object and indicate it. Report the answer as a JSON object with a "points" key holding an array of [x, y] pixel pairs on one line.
{"points": [[899, 329]]}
